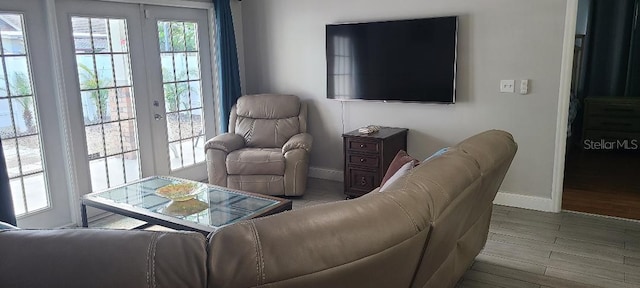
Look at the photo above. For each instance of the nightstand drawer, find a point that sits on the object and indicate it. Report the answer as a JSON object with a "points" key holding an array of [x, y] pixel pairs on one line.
{"points": [[599, 135], [613, 124], [360, 145], [616, 109], [364, 160], [363, 180]]}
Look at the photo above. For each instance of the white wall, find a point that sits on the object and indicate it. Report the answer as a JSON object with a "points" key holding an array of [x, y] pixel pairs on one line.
{"points": [[284, 46]]}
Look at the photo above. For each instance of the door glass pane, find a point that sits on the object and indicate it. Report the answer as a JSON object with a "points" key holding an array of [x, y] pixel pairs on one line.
{"points": [[104, 76], [180, 60], [19, 128]]}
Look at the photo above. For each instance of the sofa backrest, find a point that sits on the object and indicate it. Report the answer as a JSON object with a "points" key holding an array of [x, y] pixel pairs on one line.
{"points": [[268, 120], [424, 231], [365, 242], [101, 258], [461, 185]]}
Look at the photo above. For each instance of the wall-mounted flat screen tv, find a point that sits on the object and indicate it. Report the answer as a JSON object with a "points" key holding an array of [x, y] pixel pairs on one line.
{"points": [[406, 60]]}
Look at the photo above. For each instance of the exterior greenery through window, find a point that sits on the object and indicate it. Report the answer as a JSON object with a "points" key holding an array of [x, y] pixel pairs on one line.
{"points": [[19, 129], [107, 95], [179, 56]]}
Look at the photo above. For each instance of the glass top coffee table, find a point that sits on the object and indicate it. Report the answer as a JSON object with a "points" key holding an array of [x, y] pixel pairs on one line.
{"points": [[210, 207]]}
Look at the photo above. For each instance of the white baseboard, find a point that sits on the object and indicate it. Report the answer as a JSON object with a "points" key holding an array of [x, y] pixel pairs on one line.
{"points": [[502, 198], [523, 201], [326, 174]]}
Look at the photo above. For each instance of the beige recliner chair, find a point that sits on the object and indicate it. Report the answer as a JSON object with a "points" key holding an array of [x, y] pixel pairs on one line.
{"points": [[267, 148]]}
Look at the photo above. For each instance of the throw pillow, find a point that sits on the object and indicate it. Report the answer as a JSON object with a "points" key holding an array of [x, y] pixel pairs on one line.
{"points": [[401, 158], [401, 172], [437, 154]]}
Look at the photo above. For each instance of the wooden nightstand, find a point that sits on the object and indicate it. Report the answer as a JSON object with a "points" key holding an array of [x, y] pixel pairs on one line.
{"points": [[367, 157], [611, 119]]}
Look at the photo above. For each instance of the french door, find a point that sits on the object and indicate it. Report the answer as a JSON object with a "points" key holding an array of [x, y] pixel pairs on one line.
{"points": [[139, 90], [180, 77], [29, 120]]}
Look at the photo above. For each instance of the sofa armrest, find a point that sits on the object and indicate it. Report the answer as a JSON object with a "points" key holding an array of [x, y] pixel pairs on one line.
{"points": [[102, 258], [298, 141], [226, 142]]}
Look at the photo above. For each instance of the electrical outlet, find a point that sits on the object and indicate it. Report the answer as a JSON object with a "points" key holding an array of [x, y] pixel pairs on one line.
{"points": [[507, 86]]}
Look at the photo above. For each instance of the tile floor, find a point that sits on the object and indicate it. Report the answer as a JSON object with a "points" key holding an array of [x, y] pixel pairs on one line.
{"points": [[536, 249]]}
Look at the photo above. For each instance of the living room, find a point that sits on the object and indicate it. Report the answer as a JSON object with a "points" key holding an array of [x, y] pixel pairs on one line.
{"points": [[281, 50], [284, 51]]}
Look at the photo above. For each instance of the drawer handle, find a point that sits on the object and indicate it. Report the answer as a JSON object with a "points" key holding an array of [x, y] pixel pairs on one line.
{"points": [[362, 160], [363, 145], [363, 181]]}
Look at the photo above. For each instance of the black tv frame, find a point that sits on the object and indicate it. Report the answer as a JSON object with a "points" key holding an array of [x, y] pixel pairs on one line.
{"points": [[394, 100]]}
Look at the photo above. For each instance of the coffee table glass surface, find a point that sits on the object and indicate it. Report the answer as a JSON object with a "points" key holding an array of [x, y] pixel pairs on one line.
{"points": [[210, 208]]}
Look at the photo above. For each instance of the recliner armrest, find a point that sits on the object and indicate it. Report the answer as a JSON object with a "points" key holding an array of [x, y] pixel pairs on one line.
{"points": [[298, 141], [226, 142]]}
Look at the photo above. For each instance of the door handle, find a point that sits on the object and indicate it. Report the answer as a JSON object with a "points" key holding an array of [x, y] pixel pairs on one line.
{"points": [[157, 117]]}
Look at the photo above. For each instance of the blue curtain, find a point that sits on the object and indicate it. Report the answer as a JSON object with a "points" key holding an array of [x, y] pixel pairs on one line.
{"points": [[228, 71], [7, 214]]}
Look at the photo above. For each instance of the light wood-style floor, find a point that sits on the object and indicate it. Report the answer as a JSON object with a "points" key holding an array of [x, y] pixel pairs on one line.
{"points": [[529, 248], [536, 249]]}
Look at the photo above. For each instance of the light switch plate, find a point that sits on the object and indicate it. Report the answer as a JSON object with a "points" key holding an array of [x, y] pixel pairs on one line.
{"points": [[507, 86], [524, 86]]}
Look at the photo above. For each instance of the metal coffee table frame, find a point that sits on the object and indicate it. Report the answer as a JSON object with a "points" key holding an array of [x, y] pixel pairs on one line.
{"points": [[155, 218]]}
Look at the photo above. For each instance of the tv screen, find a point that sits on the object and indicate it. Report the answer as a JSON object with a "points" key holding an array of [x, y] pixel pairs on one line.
{"points": [[407, 60]]}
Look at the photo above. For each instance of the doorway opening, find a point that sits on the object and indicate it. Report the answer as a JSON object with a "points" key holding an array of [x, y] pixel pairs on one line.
{"points": [[603, 145]]}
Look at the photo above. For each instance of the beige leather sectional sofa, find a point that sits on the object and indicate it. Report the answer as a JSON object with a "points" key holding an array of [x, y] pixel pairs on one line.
{"points": [[423, 232]]}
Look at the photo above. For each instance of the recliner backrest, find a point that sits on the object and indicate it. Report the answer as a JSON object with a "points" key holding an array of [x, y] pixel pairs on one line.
{"points": [[268, 120]]}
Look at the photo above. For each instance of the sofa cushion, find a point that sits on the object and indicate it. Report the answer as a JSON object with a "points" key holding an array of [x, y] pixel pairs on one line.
{"points": [[256, 161], [263, 184]]}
